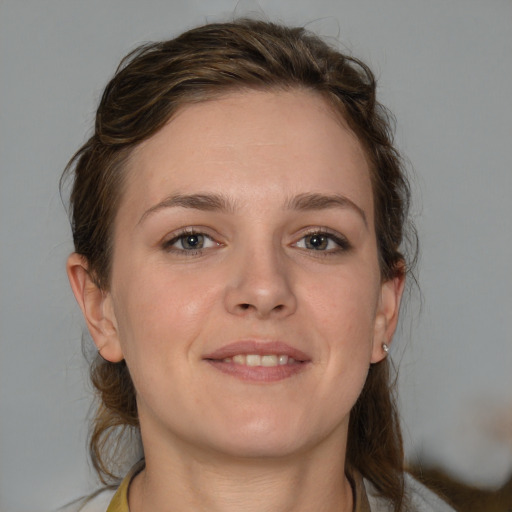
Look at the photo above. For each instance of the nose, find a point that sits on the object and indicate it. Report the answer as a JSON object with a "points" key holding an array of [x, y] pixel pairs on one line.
{"points": [[260, 284]]}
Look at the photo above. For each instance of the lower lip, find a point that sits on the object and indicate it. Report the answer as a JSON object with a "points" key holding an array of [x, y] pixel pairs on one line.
{"points": [[259, 373]]}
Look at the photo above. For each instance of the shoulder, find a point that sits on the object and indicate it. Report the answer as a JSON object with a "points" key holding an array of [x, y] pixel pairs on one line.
{"points": [[417, 497]]}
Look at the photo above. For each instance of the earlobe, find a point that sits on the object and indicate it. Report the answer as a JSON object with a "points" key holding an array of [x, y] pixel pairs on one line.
{"points": [[386, 318], [97, 308]]}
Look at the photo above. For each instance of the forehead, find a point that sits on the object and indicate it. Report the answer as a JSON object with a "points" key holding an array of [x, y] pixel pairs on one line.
{"points": [[254, 144]]}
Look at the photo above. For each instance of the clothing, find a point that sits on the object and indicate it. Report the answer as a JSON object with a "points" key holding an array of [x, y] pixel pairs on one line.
{"points": [[420, 498]]}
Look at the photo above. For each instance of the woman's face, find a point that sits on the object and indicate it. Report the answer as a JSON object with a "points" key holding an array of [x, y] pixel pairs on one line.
{"points": [[245, 291]]}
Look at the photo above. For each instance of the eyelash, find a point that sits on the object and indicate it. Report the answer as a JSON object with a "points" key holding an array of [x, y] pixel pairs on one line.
{"points": [[168, 244], [343, 245]]}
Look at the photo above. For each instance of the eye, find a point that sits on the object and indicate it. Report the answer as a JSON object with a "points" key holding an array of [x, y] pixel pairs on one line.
{"points": [[323, 242], [190, 242]]}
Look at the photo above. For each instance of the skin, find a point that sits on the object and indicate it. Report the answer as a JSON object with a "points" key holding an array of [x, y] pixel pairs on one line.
{"points": [[212, 440]]}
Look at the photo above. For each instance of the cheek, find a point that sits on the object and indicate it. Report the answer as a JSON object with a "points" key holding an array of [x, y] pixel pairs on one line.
{"points": [[159, 319], [344, 305], [343, 312], [160, 312]]}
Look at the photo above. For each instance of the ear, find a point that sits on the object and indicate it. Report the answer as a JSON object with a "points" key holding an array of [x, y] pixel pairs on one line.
{"points": [[386, 318], [97, 308]]}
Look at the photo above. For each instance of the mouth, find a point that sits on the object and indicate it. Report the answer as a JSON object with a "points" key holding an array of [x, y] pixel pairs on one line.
{"points": [[259, 361]]}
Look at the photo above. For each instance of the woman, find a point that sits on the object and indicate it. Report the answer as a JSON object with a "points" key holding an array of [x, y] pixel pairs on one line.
{"points": [[238, 219]]}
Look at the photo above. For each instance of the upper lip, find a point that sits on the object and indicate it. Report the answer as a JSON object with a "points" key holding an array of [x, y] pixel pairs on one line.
{"points": [[257, 347]]}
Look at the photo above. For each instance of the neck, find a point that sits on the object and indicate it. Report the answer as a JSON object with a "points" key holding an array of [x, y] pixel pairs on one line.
{"points": [[179, 480]]}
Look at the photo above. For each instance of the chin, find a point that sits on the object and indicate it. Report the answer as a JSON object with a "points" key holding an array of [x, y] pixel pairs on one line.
{"points": [[262, 438], [260, 447]]}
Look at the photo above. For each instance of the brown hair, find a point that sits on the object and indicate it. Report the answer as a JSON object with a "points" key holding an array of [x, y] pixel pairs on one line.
{"points": [[150, 85]]}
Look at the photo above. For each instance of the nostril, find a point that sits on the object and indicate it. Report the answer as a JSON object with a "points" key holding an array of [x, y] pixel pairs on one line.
{"points": [[245, 306]]}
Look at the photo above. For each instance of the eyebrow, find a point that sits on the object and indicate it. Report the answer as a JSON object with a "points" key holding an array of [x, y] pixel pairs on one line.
{"points": [[218, 202], [204, 202], [311, 201]]}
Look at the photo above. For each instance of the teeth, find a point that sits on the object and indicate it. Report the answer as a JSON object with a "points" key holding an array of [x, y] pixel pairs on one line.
{"points": [[239, 359], [268, 360], [253, 360], [258, 360]]}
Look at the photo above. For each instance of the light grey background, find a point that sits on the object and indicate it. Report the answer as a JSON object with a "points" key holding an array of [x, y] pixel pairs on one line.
{"points": [[445, 69]]}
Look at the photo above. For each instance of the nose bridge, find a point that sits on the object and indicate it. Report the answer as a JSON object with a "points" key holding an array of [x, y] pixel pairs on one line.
{"points": [[260, 281]]}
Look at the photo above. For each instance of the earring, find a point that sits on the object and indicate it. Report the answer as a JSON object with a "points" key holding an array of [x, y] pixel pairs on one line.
{"points": [[385, 348]]}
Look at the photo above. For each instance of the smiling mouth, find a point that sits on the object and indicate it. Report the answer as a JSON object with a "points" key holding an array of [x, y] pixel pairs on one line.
{"points": [[268, 360], [259, 362]]}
